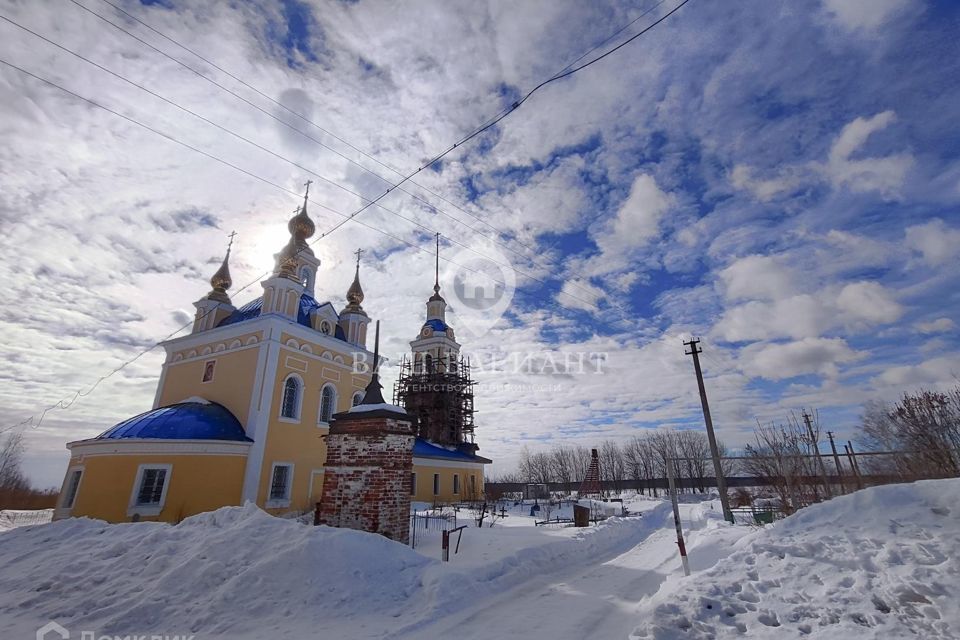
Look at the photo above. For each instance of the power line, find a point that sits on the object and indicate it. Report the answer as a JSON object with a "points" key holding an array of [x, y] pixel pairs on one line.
{"points": [[487, 125], [228, 131], [66, 404]]}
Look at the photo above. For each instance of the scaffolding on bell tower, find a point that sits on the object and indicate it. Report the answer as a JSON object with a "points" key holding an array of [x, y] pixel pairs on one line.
{"points": [[440, 395]]}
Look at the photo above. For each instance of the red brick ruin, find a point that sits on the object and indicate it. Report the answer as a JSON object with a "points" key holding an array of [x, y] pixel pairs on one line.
{"points": [[369, 461]]}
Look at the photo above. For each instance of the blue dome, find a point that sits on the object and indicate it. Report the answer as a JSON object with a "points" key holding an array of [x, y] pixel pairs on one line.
{"points": [[253, 308], [436, 324], [182, 421]]}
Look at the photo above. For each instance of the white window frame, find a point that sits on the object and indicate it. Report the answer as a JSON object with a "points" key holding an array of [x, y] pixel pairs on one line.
{"points": [[277, 503], [333, 409], [300, 394], [149, 509], [66, 485], [436, 484], [456, 484]]}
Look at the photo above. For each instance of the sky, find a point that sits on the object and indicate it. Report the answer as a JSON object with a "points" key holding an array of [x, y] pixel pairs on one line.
{"points": [[779, 178]]}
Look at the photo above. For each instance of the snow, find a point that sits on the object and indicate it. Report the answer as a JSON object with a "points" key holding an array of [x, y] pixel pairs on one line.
{"points": [[876, 564], [241, 573], [195, 399], [880, 563]]}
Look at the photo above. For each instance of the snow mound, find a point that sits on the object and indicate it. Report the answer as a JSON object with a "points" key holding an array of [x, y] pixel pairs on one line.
{"points": [[880, 563], [240, 573], [227, 570]]}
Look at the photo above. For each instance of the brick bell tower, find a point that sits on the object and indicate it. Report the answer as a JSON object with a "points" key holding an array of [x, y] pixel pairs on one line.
{"points": [[369, 462]]}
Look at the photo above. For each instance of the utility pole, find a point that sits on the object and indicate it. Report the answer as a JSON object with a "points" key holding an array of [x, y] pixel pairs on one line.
{"points": [[816, 447], [714, 451], [836, 461]]}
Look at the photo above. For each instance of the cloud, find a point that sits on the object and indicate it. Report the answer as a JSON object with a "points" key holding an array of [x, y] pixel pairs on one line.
{"points": [[943, 371], [883, 174], [757, 277], [854, 306], [843, 168], [940, 325], [863, 15], [935, 241], [868, 302], [636, 224], [811, 355]]}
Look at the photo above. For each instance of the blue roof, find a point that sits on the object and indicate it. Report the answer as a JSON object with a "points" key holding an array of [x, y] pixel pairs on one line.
{"points": [[436, 324], [253, 308], [182, 421], [426, 449]]}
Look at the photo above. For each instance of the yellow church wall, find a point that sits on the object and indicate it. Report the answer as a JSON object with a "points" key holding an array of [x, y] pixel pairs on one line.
{"points": [[231, 386], [197, 483], [301, 442], [425, 470]]}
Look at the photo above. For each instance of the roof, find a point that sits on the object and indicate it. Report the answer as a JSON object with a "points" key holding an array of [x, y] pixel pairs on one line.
{"points": [[425, 449], [253, 308], [436, 324], [181, 421]]}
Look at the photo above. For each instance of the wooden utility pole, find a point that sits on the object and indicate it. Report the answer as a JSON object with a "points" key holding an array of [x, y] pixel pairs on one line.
{"points": [[676, 518], [853, 464], [816, 447], [714, 451], [836, 461]]}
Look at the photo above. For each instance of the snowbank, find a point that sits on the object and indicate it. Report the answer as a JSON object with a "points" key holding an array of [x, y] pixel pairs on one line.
{"points": [[880, 563], [240, 573]]}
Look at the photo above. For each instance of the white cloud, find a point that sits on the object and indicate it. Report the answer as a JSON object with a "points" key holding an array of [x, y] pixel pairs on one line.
{"points": [[765, 189], [855, 15], [883, 174], [937, 243], [637, 223], [808, 356], [842, 169], [869, 302], [757, 277], [940, 325], [943, 371]]}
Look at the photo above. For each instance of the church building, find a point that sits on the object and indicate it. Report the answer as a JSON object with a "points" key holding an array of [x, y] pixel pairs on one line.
{"points": [[243, 407]]}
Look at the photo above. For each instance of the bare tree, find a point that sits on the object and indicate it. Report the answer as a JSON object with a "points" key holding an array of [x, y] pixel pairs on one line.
{"points": [[924, 426]]}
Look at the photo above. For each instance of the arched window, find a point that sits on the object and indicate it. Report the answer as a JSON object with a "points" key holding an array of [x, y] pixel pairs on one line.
{"points": [[306, 278], [357, 398], [428, 360], [290, 407], [328, 403]]}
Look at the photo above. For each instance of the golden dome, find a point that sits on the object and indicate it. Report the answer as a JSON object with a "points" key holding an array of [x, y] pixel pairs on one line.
{"points": [[287, 260], [301, 226], [221, 280]]}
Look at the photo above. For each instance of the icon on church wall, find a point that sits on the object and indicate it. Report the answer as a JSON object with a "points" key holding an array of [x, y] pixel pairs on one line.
{"points": [[208, 368], [483, 282]]}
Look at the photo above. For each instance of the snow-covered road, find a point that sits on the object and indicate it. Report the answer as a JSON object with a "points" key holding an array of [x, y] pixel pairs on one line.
{"points": [[592, 596]]}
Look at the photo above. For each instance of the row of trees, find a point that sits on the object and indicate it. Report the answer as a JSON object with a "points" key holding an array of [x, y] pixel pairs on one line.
{"points": [[642, 458], [923, 426], [920, 433], [15, 490]]}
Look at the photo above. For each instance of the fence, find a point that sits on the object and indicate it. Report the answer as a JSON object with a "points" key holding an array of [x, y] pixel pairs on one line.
{"points": [[10, 519], [430, 521], [794, 481]]}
